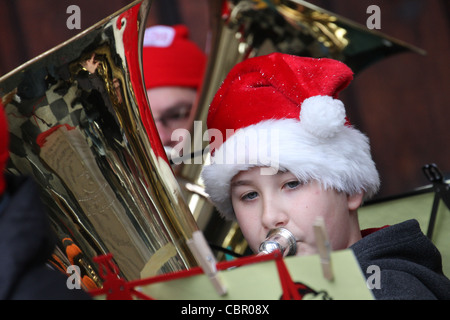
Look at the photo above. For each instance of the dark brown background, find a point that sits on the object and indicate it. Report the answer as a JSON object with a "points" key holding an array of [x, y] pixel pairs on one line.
{"points": [[402, 102]]}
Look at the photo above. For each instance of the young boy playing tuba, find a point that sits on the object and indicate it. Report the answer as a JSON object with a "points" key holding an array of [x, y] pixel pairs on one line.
{"points": [[289, 154]]}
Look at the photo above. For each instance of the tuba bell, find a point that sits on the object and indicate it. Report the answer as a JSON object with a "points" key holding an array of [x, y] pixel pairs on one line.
{"points": [[81, 125], [241, 29]]}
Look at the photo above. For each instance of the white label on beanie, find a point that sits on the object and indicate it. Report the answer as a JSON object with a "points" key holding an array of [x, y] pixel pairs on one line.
{"points": [[159, 36]]}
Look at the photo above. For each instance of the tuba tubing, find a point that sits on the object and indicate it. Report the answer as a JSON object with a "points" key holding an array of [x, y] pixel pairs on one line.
{"points": [[81, 125]]}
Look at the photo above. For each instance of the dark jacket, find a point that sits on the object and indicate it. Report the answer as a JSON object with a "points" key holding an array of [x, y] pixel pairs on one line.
{"points": [[26, 243], [410, 264]]}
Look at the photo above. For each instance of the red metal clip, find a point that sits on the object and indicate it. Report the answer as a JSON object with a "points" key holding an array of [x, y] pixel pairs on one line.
{"points": [[115, 287]]}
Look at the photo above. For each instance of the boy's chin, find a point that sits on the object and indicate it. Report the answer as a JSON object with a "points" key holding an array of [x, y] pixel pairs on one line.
{"points": [[304, 249]]}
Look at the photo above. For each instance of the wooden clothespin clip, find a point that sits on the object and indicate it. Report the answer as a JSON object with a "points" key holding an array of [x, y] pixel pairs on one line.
{"points": [[205, 258], [324, 248]]}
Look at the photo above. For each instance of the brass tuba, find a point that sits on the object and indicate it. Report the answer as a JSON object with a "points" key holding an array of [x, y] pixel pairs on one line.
{"points": [[81, 125], [241, 29]]}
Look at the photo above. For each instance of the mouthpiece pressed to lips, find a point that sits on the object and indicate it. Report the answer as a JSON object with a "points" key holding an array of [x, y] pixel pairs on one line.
{"points": [[279, 239]]}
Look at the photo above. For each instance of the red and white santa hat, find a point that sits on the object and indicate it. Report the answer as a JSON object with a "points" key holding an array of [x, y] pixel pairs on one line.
{"points": [[282, 111], [170, 58]]}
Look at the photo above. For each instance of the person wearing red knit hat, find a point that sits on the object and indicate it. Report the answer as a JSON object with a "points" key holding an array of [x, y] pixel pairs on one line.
{"points": [[173, 73], [284, 153], [26, 238]]}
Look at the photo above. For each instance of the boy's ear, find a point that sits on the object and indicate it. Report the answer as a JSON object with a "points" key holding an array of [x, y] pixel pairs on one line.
{"points": [[355, 200]]}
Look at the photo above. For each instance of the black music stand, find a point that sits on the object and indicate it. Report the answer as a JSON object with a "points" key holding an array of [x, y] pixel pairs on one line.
{"points": [[441, 191]]}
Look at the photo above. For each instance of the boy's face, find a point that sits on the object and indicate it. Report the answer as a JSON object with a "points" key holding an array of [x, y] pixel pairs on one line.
{"points": [[265, 202]]}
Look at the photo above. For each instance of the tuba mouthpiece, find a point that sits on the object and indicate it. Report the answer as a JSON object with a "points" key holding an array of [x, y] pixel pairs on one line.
{"points": [[279, 239]]}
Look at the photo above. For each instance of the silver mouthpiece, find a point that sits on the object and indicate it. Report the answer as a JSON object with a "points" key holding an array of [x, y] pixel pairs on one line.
{"points": [[279, 239]]}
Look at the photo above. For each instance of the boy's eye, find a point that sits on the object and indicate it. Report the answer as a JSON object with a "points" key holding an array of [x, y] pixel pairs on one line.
{"points": [[292, 184], [250, 196]]}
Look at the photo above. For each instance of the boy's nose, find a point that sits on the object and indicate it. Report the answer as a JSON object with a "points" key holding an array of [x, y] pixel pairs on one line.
{"points": [[274, 215]]}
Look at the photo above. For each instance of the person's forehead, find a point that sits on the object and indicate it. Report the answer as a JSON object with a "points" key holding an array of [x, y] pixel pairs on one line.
{"points": [[246, 176], [168, 97]]}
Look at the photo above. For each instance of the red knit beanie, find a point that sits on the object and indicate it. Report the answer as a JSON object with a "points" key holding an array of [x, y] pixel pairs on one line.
{"points": [[171, 59], [282, 111], [4, 147]]}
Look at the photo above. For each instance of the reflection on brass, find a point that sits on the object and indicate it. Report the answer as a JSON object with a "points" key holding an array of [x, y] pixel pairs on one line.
{"points": [[80, 124], [320, 25], [241, 29]]}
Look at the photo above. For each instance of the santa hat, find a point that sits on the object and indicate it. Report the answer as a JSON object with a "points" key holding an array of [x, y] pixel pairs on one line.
{"points": [[282, 111], [171, 59], [4, 147]]}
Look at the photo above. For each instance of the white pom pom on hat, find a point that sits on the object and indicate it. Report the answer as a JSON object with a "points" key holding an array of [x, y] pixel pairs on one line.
{"points": [[322, 116]]}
